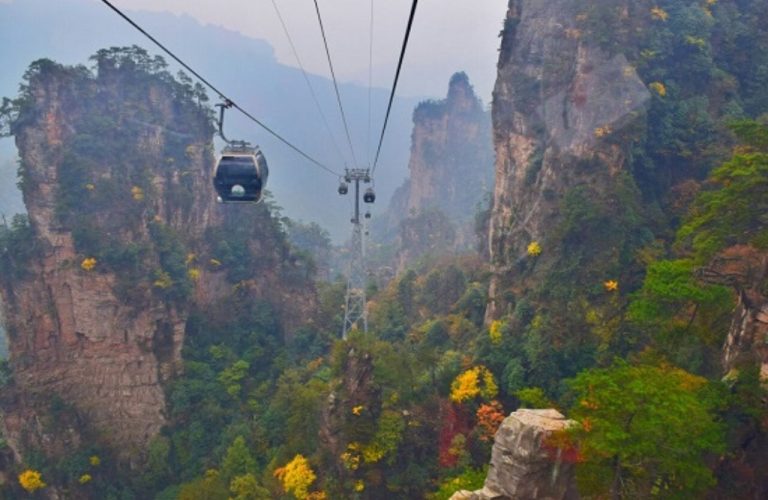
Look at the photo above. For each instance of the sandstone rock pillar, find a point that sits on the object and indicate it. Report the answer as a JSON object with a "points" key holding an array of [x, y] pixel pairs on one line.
{"points": [[524, 463]]}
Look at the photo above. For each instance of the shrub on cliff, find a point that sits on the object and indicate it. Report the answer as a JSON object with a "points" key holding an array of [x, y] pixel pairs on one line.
{"points": [[18, 245], [645, 430]]}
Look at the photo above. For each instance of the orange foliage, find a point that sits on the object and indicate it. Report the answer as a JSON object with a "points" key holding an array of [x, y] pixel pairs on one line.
{"points": [[611, 286], [561, 448], [489, 418]]}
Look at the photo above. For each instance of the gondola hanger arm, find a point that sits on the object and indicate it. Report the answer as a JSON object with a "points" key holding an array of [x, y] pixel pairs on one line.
{"points": [[222, 106]]}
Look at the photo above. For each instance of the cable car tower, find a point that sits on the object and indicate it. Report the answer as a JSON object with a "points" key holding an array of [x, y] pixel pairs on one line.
{"points": [[355, 310]]}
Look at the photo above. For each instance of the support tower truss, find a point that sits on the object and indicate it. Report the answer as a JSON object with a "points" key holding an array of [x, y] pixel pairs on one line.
{"points": [[355, 310]]}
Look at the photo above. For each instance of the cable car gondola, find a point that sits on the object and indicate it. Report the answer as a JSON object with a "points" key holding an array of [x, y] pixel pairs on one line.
{"points": [[241, 173], [369, 196]]}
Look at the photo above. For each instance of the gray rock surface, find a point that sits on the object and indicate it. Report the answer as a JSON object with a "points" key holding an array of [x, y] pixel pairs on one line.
{"points": [[564, 114], [523, 465]]}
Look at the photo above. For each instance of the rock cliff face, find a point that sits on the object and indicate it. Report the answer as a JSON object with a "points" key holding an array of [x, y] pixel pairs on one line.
{"points": [[563, 116], [451, 154], [116, 178], [451, 170], [524, 462], [744, 268], [356, 387]]}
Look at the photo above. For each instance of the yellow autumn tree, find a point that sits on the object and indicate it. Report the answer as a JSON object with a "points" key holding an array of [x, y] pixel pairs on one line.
{"points": [[659, 14], [296, 477], [477, 381], [602, 131], [137, 193], [659, 88], [88, 264], [352, 457], [31, 480], [534, 249]]}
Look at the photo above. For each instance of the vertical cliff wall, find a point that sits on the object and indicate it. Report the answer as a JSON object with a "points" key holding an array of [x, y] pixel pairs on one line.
{"points": [[451, 170], [744, 268], [607, 116], [124, 238], [563, 117], [451, 154]]}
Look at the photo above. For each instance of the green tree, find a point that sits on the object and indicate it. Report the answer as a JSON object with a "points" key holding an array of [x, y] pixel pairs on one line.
{"points": [[157, 469], [681, 316], [205, 488], [732, 211], [246, 487], [238, 460], [469, 479], [312, 239], [644, 431], [233, 376], [18, 245]]}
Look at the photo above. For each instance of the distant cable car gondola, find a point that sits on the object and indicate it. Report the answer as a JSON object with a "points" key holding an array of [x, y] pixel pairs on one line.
{"points": [[241, 172], [369, 196], [343, 188], [367, 215]]}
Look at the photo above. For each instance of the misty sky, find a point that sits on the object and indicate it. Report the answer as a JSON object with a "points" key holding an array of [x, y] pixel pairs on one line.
{"points": [[448, 35]]}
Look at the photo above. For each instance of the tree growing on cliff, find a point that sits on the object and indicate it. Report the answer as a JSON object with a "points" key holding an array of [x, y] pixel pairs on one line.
{"points": [[733, 210], [296, 478], [477, 381], [644, 431]]}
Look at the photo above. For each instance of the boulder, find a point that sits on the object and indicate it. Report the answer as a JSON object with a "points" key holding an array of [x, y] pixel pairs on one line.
{"points": [[526, 464]]}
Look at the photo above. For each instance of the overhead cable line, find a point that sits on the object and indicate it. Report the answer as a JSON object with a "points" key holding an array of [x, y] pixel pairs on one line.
{"points": [[370, 86], [306, 79], [335, 84], [218, 92], [394, 85]]}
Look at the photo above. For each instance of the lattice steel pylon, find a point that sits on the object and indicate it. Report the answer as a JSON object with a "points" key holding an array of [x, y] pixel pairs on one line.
{"points": [[355, 309]]}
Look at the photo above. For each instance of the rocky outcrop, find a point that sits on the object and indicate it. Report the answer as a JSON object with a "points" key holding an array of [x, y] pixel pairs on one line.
{"points": [[451, 156], [451, 170], [116, 178], [563, 112], [744, 268], [71, 334], [355, 388], [525, 464]]}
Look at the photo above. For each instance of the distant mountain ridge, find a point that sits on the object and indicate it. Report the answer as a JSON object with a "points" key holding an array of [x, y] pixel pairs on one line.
{"points": [[247, 71]]}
